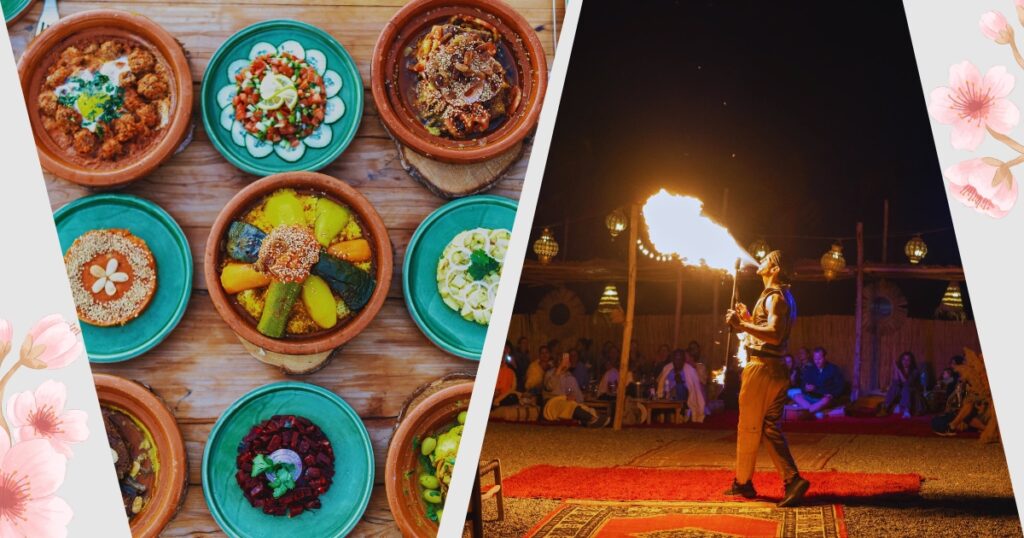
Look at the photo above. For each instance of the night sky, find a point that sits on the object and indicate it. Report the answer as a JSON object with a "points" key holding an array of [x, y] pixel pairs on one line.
{"points": [[809, 119]]}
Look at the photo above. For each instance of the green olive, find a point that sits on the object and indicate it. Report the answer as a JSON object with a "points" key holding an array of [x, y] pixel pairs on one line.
{"points": [[428, 445], [429, 481], [462, 417], [432, 496]]}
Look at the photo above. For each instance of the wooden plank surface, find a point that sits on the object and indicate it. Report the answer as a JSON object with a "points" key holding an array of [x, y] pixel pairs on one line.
{"points": [[201, 368]]}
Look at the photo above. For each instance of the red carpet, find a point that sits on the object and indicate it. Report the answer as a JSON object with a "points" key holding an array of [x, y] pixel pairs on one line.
{"points": [[634, 484]]}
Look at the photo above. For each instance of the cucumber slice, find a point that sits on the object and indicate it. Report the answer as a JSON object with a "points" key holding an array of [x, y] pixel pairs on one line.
{"points": [[332, 83], [317, 60], [291, 154], [281, 297], [226, 95], [258, 148], [238, 133], [334, 110], [236, 67], [294, 48], [227, 118], [319, 138], [261, 48]]}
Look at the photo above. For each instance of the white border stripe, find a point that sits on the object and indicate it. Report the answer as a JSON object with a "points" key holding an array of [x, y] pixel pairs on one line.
{"points": [[487, 374]]}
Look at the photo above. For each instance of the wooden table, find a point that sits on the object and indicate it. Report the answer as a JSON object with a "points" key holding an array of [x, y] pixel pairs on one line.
{"points": [[202, 367], [669, 405]]}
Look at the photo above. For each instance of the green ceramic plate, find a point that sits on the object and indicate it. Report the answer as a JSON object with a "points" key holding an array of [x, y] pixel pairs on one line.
{"points": [[346, 499], [173, 268], [442, 325], [13, 8], [342, 82]]}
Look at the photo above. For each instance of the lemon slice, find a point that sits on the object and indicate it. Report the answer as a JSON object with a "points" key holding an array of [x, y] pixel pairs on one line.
{"points": [[276, 90]]}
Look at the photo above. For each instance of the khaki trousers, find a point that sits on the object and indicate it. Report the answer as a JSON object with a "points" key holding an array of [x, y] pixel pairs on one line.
{"points": [[762, 399]]}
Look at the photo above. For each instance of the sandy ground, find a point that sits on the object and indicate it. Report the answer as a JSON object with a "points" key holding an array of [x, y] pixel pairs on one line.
{"points": [[966, 492]]}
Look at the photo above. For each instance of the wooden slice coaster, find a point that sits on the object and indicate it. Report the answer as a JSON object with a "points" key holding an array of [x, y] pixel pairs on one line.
{"points": [[449, 180], [290, 364]]}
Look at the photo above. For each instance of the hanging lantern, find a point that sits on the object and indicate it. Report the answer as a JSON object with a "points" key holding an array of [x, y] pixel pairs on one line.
{"points": [[616, 222], [953, 298], [759, 249], [545, 247], [952, 305], [832, 262], [609, 300], [915, 249]]}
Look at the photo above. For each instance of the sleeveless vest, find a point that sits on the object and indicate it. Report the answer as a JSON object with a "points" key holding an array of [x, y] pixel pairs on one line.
{"points": [[786, 308]]}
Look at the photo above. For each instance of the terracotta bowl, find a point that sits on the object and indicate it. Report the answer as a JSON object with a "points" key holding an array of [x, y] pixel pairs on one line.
{"points": [[42, 52], [401, 476], [403, 124], [172, 477], [243, 201]]}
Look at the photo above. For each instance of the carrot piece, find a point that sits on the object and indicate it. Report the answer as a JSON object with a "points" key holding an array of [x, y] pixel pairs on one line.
{"points": [[355, 251]]}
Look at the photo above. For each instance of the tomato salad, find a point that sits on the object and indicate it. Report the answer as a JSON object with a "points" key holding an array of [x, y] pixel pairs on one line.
{"points": [[280, 97]]}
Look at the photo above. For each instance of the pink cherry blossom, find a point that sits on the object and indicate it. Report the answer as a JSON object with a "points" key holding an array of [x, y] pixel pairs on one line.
{"points": [[30, 473], [971, 104], [993, 25], [971, 182], [51, 343], [6, 333], [41, 415]]}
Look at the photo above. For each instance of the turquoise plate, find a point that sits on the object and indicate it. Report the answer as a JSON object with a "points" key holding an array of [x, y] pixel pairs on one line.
{"points": [[346, 499], [442, 325], [344, 90], [173, 258], [13, 8]]}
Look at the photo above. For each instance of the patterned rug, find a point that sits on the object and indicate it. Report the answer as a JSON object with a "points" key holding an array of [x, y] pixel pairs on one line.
{"points": [[811, 450], [606, 519]]}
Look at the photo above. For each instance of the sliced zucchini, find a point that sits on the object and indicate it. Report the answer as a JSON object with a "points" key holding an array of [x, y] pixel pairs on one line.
{"points": [[294, 48], [289, 153], [258, 148], [226, 95], [317, 60], [332, 83], [236, 67], [238, 133], [261, 48], [281, 297], [334, 110], [227, 117], [319, 138]]}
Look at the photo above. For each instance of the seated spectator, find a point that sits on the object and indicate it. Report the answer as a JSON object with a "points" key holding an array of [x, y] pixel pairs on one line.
{"points": [[822, 384], [522, 356], [696, 400], [671, 381], [904, 386], [505, 387], [794, 372], [803, 359], [580, 369], [535, 373], [606, 388], [563, 397]]}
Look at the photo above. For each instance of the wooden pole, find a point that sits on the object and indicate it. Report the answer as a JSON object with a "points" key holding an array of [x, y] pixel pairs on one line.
{"points": [[565, 239], [858, 323], [627, 329], [679, 307], [733, 299], [716, 284], [885, 230]]}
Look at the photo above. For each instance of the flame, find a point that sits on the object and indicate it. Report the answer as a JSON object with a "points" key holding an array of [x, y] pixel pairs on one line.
{"points": [[741, 351], [718, 376], [676, 225]]}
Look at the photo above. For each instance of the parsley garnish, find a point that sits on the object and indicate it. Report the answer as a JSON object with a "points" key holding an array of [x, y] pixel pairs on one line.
{"points": [[481, 264], [282, 473]]}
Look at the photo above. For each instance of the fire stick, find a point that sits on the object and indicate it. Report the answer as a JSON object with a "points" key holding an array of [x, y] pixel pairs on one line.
{"points": [[732, 306]]}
